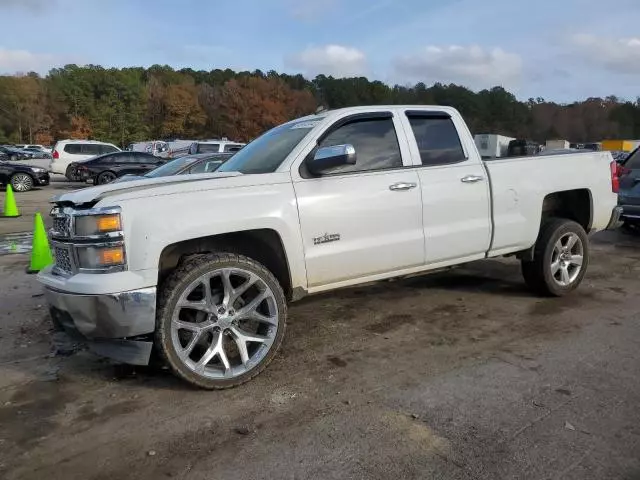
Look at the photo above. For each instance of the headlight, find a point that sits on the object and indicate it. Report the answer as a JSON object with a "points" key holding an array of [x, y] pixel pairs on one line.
{"points": [[100, 257], [88, 225], [38, 170]]}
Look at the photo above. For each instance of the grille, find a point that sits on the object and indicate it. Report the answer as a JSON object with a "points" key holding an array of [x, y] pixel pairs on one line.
{"points": [[61, 226], [63, 259]]}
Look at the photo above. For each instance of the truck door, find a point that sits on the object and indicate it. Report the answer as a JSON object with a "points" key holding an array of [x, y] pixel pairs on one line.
{"points": [[365, 219], [454, 185]]}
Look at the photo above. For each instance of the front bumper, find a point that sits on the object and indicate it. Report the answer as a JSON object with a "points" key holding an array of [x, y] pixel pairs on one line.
{"points": [[108, 323], [42, 179]]}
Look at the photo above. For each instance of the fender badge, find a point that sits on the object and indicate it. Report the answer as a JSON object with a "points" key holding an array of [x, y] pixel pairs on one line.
{"points": [[326, 238]]}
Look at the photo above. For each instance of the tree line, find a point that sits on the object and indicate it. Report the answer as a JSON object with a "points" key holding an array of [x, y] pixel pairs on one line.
{"points": [[135, 104]]}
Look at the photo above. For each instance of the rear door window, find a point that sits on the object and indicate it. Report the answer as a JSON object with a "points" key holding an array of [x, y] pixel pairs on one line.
{"points": [[437, 138], [90, 149], [73, 148]]}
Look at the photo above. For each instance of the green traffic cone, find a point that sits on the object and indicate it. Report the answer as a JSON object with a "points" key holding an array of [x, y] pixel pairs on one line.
{"points": [[10, 207], [40, 252]]}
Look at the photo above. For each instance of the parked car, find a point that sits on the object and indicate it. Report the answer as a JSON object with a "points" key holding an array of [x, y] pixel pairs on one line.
{"points": [[215, 146], [67, 151], [106, 168], [13, 153], [21, 177], [38, 152], [629, 196], [200, 163], [157, 148], [34, 148], [620, 156], [200, 268]]}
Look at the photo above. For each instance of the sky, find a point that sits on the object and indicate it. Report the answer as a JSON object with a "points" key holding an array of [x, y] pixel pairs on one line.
{"points": [[560, 50]]}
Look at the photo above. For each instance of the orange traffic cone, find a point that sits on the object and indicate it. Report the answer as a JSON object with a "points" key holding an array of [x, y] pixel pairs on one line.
{"points": [[40, 252]]}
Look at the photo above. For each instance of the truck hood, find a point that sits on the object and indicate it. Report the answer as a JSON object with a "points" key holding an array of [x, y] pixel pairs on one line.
{"points": [[149, 187]]}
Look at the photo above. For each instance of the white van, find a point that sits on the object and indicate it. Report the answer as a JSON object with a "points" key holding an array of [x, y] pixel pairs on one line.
{"points": [[215, 146], [67, 151]]}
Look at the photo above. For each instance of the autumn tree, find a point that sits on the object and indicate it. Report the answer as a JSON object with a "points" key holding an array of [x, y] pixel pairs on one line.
{"points": [[135, 104], [183, 116], [247, 107]]}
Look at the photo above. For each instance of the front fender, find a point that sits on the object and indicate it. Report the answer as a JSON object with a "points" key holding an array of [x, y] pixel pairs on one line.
{"points": [[152, 224]]}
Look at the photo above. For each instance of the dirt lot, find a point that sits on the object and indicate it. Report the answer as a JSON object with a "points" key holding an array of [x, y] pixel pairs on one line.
{"points": [[459, 375]]}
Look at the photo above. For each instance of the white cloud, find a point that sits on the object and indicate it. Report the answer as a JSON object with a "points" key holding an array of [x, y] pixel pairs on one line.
{"points": [[23, 61], [471, 66], [620, 55], [335, 60]]}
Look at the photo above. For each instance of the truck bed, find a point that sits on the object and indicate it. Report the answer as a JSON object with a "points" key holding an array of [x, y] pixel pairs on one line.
{"points": [[519, 186]]}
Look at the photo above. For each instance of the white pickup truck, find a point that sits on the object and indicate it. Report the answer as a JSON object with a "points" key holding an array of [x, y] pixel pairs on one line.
{"points": [[200, 268]]}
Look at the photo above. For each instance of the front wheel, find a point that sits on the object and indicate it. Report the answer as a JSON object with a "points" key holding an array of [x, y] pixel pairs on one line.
{"points": [[21, 182], [561, 257], [221, 320]]}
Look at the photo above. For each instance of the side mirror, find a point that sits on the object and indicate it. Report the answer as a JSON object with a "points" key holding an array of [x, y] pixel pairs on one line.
{"points": [[327, 158]]}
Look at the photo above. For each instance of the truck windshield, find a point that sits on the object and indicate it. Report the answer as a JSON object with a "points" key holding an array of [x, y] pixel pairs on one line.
{"points": [[267, 152]]}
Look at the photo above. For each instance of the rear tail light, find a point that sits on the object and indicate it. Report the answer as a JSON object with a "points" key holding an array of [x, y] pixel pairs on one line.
{"points": [[622, 171], [56, 155], [615, 178]]}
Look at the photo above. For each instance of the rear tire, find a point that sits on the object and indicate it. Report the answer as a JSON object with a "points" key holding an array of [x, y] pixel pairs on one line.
{"points": [[221, 320], [560, 259], [105, 177]]}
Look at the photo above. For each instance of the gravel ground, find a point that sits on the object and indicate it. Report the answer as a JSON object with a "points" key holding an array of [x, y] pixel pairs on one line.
{"points": [[457, 375]]}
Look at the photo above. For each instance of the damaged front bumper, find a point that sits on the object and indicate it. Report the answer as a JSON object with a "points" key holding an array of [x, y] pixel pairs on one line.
{"points": [[116, 325]]}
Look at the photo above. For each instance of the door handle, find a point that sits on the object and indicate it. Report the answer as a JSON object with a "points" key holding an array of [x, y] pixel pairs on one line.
{"points": [[400, 186], [471, 179]]}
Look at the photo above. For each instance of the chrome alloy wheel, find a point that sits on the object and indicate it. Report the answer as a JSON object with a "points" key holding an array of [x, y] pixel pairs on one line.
{"points": [[224, 323], [566, 259], [22, 182]]}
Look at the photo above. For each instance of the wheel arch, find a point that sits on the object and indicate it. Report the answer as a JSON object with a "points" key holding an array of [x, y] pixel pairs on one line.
{"points": [[263, 245], [576, 205]]}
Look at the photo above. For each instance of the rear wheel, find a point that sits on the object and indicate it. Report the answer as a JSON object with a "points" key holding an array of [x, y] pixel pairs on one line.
{"points": [[21, 182], [561, 258], [105, 177], [221, 320]]}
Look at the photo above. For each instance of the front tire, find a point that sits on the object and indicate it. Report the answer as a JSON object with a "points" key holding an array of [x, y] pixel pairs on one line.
{"points": [[221, 320], [560, 260], [21, 182]]}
